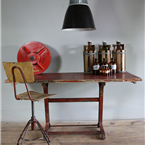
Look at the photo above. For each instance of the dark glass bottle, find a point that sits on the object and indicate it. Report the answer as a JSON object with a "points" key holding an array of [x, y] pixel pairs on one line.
{"points": [[89, 57], [109, 47], [106, 71], [104, 64], [96, 67], [118, 45], [89, 46], [112, 66], [122, 46], [102, 68], [118, 56], [104, 46], [102, 53]]}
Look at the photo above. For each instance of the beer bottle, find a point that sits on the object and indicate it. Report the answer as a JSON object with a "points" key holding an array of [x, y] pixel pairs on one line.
{"points": [[100, 54], [122, 46], [96, 67], [109, 53], [104, 50], [89, 46], [118, 56], [89, 58], [118, 45], [104, 46]]}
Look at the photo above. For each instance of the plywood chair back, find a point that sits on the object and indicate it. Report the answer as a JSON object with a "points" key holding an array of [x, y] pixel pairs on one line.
{"points": [[26, 68], [22, 72], [19, 72]]}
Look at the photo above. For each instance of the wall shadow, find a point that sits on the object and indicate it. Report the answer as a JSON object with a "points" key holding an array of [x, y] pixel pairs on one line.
{"points": [[55, 64]]}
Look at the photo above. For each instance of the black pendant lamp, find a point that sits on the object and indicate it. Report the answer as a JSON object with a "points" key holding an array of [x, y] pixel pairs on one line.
{"points": [[78, 17]]}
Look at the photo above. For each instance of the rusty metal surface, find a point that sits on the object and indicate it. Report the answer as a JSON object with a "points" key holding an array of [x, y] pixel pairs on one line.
{"points": [[73, 100], [25, 130], [46, 103], [101, 90], [100, 117], [83, 77], [73, 125], [37, 53]]}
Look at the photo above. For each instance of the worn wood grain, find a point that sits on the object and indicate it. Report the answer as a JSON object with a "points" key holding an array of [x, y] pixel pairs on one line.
{"points": [[26, 68], [123, 132], [34, 95], [84, 78]]}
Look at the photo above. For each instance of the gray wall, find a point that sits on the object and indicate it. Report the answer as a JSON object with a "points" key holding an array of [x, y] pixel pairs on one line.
{"points": [[41, 20]]}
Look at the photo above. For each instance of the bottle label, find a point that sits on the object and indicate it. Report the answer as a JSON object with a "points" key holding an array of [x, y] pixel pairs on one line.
{"points": [[96, 67], [107, 71], [106, 65], [113, 66]]}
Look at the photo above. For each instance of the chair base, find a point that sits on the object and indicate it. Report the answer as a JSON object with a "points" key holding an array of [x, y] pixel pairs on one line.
{"points": [[24, 132]]}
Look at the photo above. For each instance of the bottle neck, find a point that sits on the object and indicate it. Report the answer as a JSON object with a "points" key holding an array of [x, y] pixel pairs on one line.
{"points": [[112, 60], [89, 47], [104, 47], [122, 46], [118, 47], [96, 60]]}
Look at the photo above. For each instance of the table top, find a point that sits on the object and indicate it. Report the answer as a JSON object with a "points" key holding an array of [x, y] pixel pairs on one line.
{"points": [[84, 77]]}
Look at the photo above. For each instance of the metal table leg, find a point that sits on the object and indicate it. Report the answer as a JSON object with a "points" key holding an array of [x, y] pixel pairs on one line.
{"points": [[100, 124], [100, 100], [46, 103]]}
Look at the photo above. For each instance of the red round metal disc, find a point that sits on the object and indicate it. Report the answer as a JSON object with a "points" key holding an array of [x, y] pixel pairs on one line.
{"points": [[37, 53]]}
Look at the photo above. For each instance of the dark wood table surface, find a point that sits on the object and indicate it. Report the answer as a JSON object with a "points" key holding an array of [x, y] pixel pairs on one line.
{"points": [[84, 77]]}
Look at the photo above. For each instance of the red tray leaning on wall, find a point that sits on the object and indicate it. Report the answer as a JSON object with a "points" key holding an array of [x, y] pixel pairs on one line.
{"points": [[37, 53]]}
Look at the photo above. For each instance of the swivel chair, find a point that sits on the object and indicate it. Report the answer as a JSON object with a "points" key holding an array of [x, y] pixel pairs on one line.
{"points": [[22, 72]]}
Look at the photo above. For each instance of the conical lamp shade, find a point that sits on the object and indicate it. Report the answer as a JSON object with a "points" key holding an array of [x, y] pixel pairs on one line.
{"points": [[78, 17]]}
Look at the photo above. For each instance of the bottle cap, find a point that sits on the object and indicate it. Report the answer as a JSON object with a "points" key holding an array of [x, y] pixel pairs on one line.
{"points": [[109, 46], [104, 43], [104, 59], [112, 59], [118, 42]]}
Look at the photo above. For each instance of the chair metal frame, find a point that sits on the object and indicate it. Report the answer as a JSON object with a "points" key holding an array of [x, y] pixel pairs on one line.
{"points": [[33, 120]]}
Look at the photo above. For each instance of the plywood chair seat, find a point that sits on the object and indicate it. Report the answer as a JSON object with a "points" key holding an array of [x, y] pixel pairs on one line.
{"points": [[34, 95]]}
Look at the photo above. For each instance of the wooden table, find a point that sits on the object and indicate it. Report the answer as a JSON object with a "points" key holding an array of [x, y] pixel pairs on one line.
{"points": [[47, 78]]}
